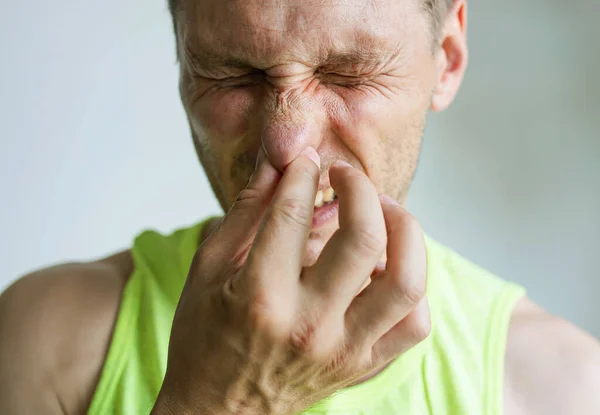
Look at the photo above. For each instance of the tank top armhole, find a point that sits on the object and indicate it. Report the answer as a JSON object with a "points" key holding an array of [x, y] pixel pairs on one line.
{"points": [[122, 344], [495, 347], [118, 350]]}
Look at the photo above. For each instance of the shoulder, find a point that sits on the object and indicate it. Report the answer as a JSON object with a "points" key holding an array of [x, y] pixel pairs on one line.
{"points": [[55, 326], [552, 367]]}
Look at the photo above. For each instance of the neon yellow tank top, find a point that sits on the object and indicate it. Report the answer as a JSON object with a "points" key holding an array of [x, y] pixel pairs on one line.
{"points": [[458, 370]]}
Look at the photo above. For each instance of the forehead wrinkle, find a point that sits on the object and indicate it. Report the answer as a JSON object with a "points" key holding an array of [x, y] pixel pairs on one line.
{"points": [[368, 51], [250, 45], [256, 44]]}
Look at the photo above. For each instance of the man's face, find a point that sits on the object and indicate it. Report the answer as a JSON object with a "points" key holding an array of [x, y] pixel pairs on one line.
{"points": [[351, 78]]}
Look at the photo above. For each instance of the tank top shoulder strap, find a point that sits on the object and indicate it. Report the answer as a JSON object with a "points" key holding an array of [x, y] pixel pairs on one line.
{"points": [[137, 356], [471, 310]]}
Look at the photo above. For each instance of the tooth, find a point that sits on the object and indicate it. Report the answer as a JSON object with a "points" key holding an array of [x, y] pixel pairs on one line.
{"points": [[328, 195], [319, 199]]}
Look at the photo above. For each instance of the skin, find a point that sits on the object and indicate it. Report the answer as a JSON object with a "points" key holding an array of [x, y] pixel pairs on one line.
{"points": [[295, 87], [270, 322], [288, 91]]}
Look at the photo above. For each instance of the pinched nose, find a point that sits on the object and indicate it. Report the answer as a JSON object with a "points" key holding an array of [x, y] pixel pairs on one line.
{"points": [[294, 119], [284, 141]]}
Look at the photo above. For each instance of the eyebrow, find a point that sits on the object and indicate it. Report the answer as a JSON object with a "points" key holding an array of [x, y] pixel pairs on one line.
{"points": [[204, 60], [355, 58]]}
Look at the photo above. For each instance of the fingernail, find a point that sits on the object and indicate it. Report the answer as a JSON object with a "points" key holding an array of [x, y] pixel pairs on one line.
{"points": [[343, 163], [312, 154], [260, 157], [388, 200]]}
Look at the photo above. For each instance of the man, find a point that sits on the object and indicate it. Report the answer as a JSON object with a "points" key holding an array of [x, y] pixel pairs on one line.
{"points": [[317, 291]]}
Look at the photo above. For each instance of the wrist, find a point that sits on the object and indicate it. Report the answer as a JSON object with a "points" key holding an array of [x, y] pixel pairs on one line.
{"points": [[174, 404]]}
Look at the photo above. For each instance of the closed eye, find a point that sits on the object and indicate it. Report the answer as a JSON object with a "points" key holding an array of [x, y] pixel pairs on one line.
{"points": [[249, 79], [222, 80], [342, 80]]}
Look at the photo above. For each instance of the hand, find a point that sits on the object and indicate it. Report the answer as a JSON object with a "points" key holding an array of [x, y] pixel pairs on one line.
{"points": [[256, 333]]}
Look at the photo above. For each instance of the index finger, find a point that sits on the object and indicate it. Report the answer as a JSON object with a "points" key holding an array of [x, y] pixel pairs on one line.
{"points": [[231, 240], [279, 245]]}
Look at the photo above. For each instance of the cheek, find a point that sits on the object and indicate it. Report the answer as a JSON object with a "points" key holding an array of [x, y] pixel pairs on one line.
{"points": [[375, 114], [224, 115], [367, 113], [381, 131], [364, 120]]}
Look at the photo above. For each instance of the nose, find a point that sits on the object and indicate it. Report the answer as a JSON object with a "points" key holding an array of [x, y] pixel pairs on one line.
{"points": [[293, 121]]}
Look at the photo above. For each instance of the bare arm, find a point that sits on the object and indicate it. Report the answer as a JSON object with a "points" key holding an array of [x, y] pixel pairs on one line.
{"points": [[55, 327], [552, 367]]}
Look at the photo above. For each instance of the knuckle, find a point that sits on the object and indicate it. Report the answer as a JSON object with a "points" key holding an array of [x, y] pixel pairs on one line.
{"points": [[264, 317], [421, 328], [292, 212], [413, 289], [309, 171], [369, 241], [410, 285], [245, 198], [314, 341], [419, 322], [303, 338]]}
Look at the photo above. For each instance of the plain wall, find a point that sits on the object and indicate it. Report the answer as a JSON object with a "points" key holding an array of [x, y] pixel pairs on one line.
{"points": [[95, 146]]}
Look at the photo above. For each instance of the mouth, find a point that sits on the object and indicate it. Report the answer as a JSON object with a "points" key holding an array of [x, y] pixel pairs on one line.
{"points": [[325, 197], [326, 208]]}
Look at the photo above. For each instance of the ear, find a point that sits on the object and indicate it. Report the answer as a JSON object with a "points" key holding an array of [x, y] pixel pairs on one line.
{"points": [[451, 56]]}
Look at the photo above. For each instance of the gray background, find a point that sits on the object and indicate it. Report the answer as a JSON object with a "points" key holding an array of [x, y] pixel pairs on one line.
{"points": [[94, 146]]}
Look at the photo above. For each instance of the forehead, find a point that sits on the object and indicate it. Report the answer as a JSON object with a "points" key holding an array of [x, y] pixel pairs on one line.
{"points": [[265, 32]]}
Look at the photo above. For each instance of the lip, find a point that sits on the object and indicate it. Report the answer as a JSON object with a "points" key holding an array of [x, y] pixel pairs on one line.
{"points": [[325, 214]]}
